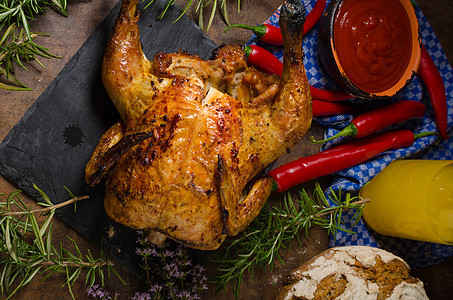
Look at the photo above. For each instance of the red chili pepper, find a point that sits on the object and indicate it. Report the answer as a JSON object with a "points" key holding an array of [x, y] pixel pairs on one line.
{"points": [[341, 157], [434, 83], [380, 118], [271, 34], [314, 15], [325, 109], [267, 62], [263, 60], [329, 95], [266, 32]]}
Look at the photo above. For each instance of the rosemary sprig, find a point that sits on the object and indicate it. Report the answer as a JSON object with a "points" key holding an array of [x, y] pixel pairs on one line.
{"points": [[21, 12], [199, 9], [14, 49], [275, 227], [17, 43], [26, 247]]}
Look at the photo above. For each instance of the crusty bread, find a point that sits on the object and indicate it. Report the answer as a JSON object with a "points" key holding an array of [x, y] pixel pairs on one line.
{"points": [[353, 272]]}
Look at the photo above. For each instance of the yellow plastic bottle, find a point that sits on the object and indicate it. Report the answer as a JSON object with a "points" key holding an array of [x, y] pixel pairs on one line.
{"points": [[412, 199]]}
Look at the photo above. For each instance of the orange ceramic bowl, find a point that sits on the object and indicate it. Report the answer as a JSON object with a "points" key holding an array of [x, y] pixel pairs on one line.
{"points": [[371, 48]]}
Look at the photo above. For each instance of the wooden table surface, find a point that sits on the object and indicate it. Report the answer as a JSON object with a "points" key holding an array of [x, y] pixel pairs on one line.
{"points": [[66, 37]]}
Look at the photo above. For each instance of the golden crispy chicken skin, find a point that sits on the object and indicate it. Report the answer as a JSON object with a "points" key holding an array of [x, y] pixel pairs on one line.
{"points": [[194, 134]]}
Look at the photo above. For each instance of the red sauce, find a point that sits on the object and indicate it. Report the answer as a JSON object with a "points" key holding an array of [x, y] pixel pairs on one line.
{"points": [[373, 42]]}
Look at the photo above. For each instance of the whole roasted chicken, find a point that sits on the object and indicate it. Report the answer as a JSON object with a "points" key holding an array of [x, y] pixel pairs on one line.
{"points": [[185, 159]]}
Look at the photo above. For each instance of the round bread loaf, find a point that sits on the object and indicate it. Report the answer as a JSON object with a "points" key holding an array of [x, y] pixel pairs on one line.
{"points": [[353, 272]]}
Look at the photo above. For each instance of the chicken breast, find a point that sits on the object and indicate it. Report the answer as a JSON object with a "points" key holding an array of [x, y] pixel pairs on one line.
{"points": [[186, 159]]}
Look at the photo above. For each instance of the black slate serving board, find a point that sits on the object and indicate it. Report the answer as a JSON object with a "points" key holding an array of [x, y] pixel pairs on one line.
{"points": [[52, 143]]}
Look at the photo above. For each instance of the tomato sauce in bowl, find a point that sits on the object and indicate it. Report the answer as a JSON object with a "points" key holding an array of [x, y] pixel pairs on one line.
{"points": [[370, 47]]}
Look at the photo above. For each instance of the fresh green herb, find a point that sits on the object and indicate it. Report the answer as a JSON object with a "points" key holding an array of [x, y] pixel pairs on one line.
{"points": [[26, 247], [202, 4], [275, 227], [21, 12], [17, 44]]}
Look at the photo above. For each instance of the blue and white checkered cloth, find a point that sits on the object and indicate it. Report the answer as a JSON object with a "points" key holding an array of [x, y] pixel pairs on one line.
{"points": [[417, 254]]}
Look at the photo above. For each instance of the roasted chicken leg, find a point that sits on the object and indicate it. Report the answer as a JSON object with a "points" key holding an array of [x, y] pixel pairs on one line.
{"points": [[185, 159]]}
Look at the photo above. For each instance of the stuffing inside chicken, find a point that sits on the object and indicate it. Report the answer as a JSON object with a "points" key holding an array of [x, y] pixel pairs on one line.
{"points": [[186, 159]]}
